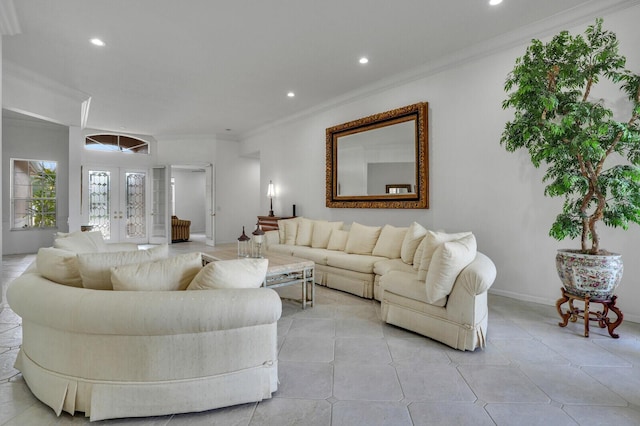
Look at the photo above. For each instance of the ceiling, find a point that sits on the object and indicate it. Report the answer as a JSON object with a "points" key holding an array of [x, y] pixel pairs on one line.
{"points": [[224, 67]]}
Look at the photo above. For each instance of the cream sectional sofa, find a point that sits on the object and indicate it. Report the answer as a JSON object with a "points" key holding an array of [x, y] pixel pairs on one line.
{"points": [[148, 352], [433, 283]]}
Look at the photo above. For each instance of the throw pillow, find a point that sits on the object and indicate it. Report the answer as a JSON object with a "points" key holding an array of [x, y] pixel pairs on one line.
{"points": [[60, 266], [304, 232], [290, 232], [449, 259], [389, 242], [81, 242], [237, 273], [338, 240], [281, 228], [174, 273], [414, 236], [433, 241], [362, 239], [418, 256], [95, 268], [322, 232]]}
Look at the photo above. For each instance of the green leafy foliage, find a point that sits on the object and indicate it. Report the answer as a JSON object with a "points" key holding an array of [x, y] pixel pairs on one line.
{"points": [[561, 127]]}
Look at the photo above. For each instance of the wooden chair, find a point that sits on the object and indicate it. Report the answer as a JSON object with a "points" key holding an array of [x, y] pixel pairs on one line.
{"points": [[180, 229]]}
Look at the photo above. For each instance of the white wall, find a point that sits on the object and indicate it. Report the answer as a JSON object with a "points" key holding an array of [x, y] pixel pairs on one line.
{"points": [[474, 183], [190, 197], [29, 139]]}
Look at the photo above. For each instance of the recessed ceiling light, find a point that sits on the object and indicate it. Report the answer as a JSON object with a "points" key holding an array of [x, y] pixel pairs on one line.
{"points": [[291, 94], [363, 60], [97, 42], [495, 2]]}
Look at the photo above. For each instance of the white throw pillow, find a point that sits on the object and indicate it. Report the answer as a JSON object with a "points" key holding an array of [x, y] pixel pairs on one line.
{"points": [[412, 239], [60, 266], [237, 273], [389, 242], [447, 262], [290, 232], [433, 240], [338, 240], [174, 273], [304, 232], [418, 256], [322, 232], [95, 268], [362, 239], [81, 242], [281, 228]]}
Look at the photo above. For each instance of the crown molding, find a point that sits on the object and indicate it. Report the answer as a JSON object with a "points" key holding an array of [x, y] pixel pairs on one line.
{"points": [[9, 23], [540, 29]]}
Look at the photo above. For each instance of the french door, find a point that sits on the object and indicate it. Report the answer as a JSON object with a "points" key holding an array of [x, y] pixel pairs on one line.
{"points": [[116, 203]]}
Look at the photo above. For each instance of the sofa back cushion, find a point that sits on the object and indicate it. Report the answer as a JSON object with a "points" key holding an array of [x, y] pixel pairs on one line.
{"points": [[448, 260], [389, 242], [237, 273], [81, 242], [338, 240], [174, 273], [58, 265], [433, 240], [412, 239], [322, 232], [290, 232], [362, 239], [95, 268]]}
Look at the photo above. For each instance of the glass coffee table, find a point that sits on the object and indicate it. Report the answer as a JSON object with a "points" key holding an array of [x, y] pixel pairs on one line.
{"points": [[283, 270]]}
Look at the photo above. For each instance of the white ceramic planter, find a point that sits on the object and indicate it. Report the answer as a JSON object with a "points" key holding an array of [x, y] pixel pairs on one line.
{"points": [[595, 275]]}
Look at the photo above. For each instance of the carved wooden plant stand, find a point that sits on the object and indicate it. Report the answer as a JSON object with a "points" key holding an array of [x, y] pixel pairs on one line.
{"points": [[602, 317]]}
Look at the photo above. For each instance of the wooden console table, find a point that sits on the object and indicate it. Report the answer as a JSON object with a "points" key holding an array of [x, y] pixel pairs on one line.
{"points": [[601, 317], [270, 223]]}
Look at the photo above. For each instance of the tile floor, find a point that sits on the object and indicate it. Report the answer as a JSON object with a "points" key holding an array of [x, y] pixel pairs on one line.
{"points": [[340, 365]]}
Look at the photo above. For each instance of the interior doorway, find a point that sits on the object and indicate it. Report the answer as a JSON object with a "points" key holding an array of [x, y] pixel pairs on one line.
{"points": [[192, 198]]}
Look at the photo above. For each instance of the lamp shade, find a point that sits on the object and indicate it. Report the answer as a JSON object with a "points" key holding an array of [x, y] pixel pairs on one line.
{"points": [[271, 191]]}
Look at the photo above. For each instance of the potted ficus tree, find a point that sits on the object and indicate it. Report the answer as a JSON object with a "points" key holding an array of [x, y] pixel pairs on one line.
{"points": [[592, 154]]}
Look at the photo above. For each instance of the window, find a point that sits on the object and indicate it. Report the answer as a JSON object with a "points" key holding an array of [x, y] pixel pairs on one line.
{"points": [[33, 194], [117, 143]]}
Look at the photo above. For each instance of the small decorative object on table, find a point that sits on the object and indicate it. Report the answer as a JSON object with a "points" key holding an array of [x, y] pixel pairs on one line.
{"points": [[244, 245], [258, 242]]}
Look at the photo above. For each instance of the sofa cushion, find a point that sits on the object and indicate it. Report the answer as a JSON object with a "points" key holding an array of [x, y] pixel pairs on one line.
{"points": [[281, 228], [362, 239], [389, 242], [58, 265], [449, 259], [237, 273], [383, 267], [404, 284], [282, 249], [95, 268], [174, 273], [417, 257], [412, 239], [81, 242], [317, 255], [353, 262], [304, 232], [433, 241], [338, 240], [322, 232]]}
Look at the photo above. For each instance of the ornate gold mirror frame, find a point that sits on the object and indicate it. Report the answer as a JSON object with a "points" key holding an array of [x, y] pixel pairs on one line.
{"points": [[413, 120]]}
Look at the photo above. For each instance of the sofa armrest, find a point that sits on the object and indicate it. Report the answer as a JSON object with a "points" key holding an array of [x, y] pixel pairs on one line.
{"points": [[478, 276], [272, 238], [140, 313]]}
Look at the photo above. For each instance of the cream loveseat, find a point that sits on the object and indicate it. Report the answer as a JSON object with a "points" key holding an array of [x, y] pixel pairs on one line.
{"points": [[433, 283], [149, 352]]}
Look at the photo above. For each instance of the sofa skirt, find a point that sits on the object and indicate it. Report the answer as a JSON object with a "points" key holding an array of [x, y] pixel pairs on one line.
{"points": [[102, 399]]}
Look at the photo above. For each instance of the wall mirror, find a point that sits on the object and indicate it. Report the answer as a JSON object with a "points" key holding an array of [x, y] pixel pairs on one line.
{"points": [[380, 161]]}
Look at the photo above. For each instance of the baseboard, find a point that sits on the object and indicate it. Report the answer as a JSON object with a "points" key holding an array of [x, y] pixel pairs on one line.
{"points": [[545, 301]]}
